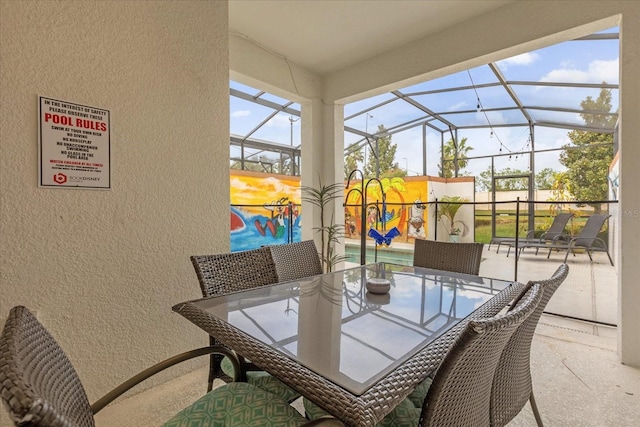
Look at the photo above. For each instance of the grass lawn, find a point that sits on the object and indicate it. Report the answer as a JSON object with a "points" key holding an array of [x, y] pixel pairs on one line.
{"points": [[506, 224]]}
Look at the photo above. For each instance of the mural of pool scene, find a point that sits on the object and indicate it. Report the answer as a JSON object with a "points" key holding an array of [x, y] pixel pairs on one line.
{"points": [[251, 231], [265, 210]]}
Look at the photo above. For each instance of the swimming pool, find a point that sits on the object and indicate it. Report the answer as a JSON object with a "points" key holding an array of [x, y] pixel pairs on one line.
{"points": [[385, 254]]}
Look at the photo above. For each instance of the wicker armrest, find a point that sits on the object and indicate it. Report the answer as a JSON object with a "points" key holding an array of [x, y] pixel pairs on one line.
{"points": [[161, 366]]}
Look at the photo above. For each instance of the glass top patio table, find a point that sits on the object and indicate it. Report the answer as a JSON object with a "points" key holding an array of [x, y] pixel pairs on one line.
{"points": [[330, 325]]}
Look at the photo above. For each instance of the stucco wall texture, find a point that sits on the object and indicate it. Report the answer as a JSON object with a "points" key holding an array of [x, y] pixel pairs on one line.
{"points": [[102, 269]]}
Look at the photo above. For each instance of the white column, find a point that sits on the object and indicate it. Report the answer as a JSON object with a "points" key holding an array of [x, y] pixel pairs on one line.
{"points": [[322, 160], [629, 209]]}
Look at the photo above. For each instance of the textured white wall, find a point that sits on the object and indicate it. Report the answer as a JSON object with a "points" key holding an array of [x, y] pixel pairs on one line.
{"points": [[103, 268]]}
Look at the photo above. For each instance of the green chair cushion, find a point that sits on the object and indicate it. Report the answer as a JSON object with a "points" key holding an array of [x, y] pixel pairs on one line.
{"points": [[264, 380], [407, 413], [238, 404], [418, 395], [313, 411], [403, 415]]}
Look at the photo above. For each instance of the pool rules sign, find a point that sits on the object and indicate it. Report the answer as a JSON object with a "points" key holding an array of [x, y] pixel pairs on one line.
{"points": [[75, 145]]}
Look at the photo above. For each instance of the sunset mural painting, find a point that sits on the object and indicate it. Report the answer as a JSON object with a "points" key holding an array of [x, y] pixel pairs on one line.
{"points": [[265, 209]]}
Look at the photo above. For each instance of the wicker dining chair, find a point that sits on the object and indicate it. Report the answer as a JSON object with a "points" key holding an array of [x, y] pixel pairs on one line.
{"points": [[232, 272], [40, 388], [460, 392], [455, 257], [296, 260], [512, 386]]}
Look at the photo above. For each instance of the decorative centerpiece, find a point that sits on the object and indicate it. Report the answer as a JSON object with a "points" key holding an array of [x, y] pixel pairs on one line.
{"points": [[378, 299], [377, 285]]}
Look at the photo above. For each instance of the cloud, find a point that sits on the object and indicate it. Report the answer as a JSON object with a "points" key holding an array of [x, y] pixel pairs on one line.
{"points": [[238, 184], [280, 121], [495, 117], [240, 113], [277, 187], [523, 59], [458, 106], [597, 72]]}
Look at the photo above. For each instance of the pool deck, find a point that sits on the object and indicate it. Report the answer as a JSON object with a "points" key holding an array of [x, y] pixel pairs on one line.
{"points": [[590, 292]]}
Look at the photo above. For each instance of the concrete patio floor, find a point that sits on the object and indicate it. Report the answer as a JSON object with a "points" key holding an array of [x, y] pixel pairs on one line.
{"points": [[590, 292], [577, 377]]}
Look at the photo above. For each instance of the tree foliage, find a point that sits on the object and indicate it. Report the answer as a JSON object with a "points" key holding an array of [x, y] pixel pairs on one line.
{"points": [[449, 209], [450, 152], [589, 155], [351, 160], [544, 180], [560, 193], [386, 157]]}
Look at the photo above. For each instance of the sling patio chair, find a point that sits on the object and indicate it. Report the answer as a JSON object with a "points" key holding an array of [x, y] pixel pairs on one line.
{"points": [[455, 257], [556, 229], [512, 386], [586, 240], [296, 260], [459, 394], [40, 388], [222, 274]]}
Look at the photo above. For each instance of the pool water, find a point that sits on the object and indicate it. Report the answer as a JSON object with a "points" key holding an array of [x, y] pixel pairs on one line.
{"points": [[384, 254]]}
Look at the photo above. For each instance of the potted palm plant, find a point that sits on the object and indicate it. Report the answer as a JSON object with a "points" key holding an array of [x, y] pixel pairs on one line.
{"points": [[330, 232], [448, 208]]}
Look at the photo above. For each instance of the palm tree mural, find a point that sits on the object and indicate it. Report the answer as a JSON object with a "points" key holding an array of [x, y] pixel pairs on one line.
{"points": [[396, 186], [389, 186]]}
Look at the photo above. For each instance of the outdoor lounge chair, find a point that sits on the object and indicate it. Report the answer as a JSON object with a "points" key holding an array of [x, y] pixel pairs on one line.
{"points": [[556, 229], [40, 387], [587, 240]]}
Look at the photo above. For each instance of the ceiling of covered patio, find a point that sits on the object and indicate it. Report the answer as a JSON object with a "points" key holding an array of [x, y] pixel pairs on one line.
{"points": [[512, 106]]}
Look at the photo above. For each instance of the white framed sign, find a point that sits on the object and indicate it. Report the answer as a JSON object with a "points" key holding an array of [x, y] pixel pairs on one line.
{"points": [[74, 145]]}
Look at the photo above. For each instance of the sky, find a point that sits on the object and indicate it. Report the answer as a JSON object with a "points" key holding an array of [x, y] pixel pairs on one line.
{"points": [[593, 61]]}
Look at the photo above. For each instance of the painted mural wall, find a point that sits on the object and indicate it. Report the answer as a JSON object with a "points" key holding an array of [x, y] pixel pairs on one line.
{"points": [[265, 209], [404, 207]]}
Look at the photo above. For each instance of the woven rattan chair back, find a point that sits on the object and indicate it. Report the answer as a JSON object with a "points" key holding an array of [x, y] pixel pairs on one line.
{"points": [[461, 390], [38, 384], [296, 260], [236, 271], [231, 272], [512, 381], [454, 257]]}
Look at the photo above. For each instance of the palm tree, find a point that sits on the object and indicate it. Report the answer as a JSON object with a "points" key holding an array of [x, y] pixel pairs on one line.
{"points": [[398, 186], [450, 152], [449, 209], [330, 232]]}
